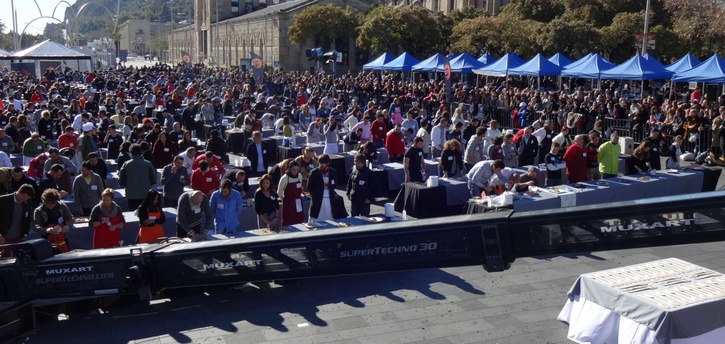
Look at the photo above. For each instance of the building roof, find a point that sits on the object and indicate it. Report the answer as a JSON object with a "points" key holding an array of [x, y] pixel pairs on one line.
{"points": [[275, 9], [48, 50]]}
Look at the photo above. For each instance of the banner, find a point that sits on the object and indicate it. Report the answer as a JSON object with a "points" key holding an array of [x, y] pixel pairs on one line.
{"points": [[447, 75], [186, 58], [258, 69]]}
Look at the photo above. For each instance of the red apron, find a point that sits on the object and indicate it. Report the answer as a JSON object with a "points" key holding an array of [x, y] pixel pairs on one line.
{"points": [[104, 237], [290, 203], [57, 240], [149, 234]]}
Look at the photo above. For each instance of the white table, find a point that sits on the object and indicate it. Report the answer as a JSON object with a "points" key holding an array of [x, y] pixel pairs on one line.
{"points": [[665, 301]]}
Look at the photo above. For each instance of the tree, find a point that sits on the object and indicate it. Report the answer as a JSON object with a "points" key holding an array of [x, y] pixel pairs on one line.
{"points": [[395, 30], [538, 10], [571, 37], [473, 36], [618, 38], [323, 25]]}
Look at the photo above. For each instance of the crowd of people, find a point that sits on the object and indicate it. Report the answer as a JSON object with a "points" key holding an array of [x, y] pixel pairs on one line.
{"points": [[152, 118]]}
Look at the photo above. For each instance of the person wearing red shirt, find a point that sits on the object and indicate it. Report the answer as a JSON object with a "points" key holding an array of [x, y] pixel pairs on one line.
{"points": [[395, 144], [68, 139], [36, 97], [204, 179], [378, 131], [191, 91], [576, 161], [212, 160]]}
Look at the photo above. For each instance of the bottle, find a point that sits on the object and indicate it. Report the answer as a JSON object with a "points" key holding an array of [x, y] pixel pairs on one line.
{"points": [[405, 215]]}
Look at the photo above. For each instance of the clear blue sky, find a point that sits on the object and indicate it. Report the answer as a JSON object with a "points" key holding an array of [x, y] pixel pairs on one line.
{"points": [[27, 11]]}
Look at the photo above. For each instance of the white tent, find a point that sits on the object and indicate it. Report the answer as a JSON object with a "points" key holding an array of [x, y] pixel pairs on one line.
{"points": [[49, 54]]}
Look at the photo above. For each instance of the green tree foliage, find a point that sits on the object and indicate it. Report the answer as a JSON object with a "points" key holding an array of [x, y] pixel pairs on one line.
{"points": [[322, 25], [572, 37], [538, 10], [395, 30]]}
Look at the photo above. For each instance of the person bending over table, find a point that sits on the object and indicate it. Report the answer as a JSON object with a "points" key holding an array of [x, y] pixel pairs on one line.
{"points": [[395, 144], [226, 203], [479, 177], [413, 162], [638, 163], [53, 220], [194, 218], [16, 216], [451, 163], [266, 202]]}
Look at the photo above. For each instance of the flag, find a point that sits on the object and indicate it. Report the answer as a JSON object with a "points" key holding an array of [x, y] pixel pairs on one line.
{"points": [[258, 69], [447, 75], [186, 58]]}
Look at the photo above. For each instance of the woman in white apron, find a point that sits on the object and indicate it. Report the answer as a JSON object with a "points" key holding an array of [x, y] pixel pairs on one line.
{"points": [[331, 136]]}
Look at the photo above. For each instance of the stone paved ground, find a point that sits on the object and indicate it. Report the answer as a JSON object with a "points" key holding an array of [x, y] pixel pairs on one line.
{"points": [[455, 305]]}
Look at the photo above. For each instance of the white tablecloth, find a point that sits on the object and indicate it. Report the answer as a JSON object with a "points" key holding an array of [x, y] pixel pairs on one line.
{"points": [[666, 301]]}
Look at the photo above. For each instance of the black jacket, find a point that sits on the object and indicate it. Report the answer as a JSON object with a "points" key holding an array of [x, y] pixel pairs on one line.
{"points": [[254, 159], [361, 185], [6, 216], [316, 187], [446, 163]]}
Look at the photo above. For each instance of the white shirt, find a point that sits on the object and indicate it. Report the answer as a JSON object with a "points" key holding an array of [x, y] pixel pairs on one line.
{"points": [[5, 160], [438, 137], [188, 162]]}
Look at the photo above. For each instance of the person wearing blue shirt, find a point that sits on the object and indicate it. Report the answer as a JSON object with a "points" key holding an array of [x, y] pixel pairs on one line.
{"points": [[226, 203]]}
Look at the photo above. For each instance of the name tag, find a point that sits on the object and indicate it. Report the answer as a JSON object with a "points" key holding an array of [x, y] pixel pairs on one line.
{"points": [[548, 136], [40, 147], [477, 148], [310, 166], [94, 187], [450, 158], [584, 155], [220, 206], [298, 205], [654, 149], [109, 141], [420, 153], [361, 182], [264, 151], [380, 128], [166, 149], [402, 140], [5, 144], [42, 137], [152, 217], [332, 182], [272, 198], [48, 126], [196, 211], [298, 185], [71, 144], [208, 180], [60, 219]]}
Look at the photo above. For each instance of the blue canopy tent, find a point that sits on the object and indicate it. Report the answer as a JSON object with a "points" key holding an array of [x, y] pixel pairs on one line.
{"points": [[402, 63], [579, 61], [636, 68], [502, 66], [378, 63], [686, 62], [431, 64], [651, 59], [486, 59], [452, 56], [537, 66], [464, 63], [590, 68], [560, 60], [711, 71]]}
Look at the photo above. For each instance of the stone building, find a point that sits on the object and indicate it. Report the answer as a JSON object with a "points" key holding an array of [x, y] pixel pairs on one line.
{"points": [[137, 34], [227, 31]]}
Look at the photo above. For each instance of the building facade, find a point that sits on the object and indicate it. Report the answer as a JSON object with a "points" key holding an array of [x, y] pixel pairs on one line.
{"points": [[226, 31], [137, 34]]}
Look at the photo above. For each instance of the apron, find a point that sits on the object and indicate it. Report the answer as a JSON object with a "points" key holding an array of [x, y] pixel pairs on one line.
{"points": [[104, 237], [149, 234], [331, 148], [57, 240], [292, 212]]}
